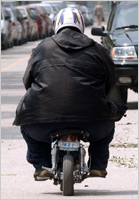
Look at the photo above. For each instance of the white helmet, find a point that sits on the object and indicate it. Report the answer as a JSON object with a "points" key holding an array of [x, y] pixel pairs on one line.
{"points": [[69, 17]]}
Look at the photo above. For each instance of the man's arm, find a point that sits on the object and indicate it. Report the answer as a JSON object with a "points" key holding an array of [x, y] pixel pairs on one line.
{"points": [[27, 79], [110, 80]]}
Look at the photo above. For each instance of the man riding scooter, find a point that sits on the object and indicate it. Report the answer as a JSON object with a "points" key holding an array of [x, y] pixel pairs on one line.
{"points": [[68, 80]]}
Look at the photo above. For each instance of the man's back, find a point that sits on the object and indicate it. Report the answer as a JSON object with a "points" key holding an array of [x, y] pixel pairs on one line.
{"points": [[67, 81]]}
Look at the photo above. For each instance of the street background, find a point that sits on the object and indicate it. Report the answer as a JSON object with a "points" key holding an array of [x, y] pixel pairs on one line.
{"points": [[17, 175]]}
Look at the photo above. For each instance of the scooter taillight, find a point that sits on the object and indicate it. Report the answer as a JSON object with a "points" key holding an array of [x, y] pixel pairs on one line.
{"points": [[64, 138], [73, 138]]}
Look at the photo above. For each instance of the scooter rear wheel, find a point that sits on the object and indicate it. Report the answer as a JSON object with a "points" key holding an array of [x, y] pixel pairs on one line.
{"points": [[68, 162]]}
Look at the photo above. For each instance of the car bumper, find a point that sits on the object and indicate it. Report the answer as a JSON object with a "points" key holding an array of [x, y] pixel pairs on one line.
{"points": [[127, 76]]}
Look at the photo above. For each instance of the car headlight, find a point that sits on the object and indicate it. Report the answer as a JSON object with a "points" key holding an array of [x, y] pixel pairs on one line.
{"points": [[123, 53]]}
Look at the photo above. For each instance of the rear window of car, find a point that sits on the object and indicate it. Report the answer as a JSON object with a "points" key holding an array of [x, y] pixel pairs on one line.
{"points": [[126, 16]]}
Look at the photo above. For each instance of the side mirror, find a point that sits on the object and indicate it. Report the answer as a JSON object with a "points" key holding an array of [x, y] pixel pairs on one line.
{"points": [[99, 31], [7, 17], [24, 18], [34, 17]]}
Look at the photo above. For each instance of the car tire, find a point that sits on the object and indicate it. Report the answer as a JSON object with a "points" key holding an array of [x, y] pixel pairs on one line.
{"points": [[5, 46], [16, 42]]}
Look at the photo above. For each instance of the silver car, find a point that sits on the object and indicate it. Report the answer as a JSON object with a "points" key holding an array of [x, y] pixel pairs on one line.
{"points": [[88, 17], [6, 30], [31, 25], [17, 27], [50, 10]]}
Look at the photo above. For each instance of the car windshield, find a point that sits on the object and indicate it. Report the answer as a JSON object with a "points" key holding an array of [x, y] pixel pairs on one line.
{"points": [[127, 17]]}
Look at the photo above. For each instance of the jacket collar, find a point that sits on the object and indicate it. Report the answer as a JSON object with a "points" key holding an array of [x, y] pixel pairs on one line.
{"points": [[72, 40]]}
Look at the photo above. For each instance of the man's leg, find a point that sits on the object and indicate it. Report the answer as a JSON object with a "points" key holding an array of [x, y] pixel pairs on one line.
{"points": [[99, 153], [38, 153]]}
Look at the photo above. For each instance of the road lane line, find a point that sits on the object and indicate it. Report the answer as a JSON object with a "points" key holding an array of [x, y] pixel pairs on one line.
{"points": [[12, 65]]}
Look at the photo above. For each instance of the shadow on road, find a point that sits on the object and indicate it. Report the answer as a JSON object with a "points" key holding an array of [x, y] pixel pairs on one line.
{"points": [[104, 192], [97, 193]]}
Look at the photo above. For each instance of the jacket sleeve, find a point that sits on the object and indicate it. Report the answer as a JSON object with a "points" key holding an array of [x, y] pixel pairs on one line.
{"points": [[37, 55], [28, 79], [111, 79], [110, 71], [28, 76]]}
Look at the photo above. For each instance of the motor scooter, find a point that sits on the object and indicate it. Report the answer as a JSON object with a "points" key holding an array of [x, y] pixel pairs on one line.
{"points": [[68, 159]]}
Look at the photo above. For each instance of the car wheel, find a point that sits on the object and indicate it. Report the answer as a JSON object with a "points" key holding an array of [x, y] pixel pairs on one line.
{"points": [[10, 45], [37, 36], [16, 42], [5, 46]]}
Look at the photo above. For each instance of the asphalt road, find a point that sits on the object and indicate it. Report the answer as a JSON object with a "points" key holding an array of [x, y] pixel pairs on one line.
{"points": [[122, 182]]}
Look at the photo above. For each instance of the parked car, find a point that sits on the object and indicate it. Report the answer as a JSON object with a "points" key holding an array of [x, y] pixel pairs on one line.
{"points": [[59, 4], [35, 14], [6, 29], [121, 40], [29, 22], [73, 5], [36, 35], [50, 11], [17, 27], [22, 20], [48, 22]]}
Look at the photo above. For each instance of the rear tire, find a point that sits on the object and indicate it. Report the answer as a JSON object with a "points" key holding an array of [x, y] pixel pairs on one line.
{"points": [[68, 162]]}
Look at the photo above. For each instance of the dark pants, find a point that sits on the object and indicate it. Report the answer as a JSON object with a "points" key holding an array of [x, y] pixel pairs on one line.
{"points": [[39, 143]]}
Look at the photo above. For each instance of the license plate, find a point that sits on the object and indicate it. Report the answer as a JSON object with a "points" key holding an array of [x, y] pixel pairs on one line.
{"points": [[69, 146]]}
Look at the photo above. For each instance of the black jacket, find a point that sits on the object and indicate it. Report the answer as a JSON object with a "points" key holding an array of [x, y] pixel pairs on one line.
{"points": [[67, 79]]}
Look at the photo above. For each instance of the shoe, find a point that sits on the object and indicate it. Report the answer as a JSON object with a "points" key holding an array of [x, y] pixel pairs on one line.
{"points": [[98, 173], [42, 175]]}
